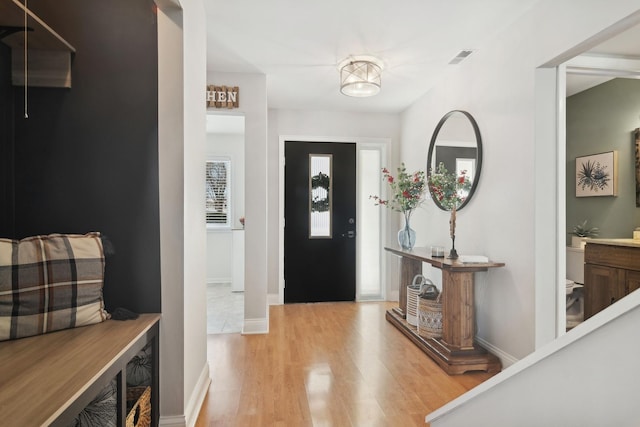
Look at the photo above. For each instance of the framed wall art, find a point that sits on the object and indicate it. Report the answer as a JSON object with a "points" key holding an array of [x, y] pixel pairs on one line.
{"points": [[597, 175]]}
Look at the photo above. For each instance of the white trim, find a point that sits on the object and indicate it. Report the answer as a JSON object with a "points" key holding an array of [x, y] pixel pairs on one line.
{"points": [[548, 207], [361, 142], [197, 397], [256, 326], [561, 202], [273, 299], [393, 296], [172, 421]]}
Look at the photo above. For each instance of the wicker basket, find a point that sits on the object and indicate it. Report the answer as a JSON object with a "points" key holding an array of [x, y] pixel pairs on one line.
{"points": [[140, 413], [430, 317]]}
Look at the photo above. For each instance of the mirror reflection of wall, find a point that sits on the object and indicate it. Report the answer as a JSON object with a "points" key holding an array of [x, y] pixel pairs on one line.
{"points": [[457, 159], [456, 143]]}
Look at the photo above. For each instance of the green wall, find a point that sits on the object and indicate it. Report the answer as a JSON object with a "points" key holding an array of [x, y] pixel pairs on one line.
{"points": [[603, 119]]}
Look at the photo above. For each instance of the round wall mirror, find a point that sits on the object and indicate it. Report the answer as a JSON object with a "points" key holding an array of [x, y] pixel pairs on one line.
{"points": [[456, 143]]}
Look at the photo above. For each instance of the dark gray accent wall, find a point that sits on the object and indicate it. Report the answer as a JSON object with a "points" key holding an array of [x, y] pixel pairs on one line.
{"points": [[448, 156], [602, 119], [6, 143], [86, 159]]}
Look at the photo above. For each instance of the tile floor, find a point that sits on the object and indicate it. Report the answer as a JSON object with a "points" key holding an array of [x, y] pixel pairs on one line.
{"points": [[225, 309]]}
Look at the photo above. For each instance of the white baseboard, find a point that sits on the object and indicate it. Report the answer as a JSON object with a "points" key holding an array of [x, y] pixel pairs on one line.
{"points": [[172, 421], [506, 359], [214, 280], [273, 299], [193, 406], [255, 326], [197, 397]]}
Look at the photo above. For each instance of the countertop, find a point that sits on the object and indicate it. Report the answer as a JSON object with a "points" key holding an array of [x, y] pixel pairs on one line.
{"points": [[616, 242]]}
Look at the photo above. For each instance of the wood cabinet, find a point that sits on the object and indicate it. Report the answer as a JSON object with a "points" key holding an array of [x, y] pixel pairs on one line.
{"points": [[456, 352], [611, 271]]}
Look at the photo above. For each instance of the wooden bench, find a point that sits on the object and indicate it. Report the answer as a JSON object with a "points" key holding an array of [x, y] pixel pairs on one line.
{"points": [[49, 379]]}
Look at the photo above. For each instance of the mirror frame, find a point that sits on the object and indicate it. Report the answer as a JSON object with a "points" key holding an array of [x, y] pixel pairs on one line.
{"points": [[432, 144]]}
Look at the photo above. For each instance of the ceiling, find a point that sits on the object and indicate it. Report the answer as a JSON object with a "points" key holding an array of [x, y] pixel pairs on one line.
{"points": [[618, 56], [298, 44]]}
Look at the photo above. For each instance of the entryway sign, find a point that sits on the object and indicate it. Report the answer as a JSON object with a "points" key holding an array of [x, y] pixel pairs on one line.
{"points": [[223, 96]]}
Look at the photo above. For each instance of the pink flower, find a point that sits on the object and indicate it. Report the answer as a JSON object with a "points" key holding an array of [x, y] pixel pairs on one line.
{"points": [[390, 179]]}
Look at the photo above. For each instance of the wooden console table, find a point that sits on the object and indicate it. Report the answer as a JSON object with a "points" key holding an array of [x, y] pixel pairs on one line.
{"points": [[456, 352]]}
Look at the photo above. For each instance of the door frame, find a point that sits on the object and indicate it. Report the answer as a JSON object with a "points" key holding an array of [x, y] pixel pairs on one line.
{"points": [[550, 222], [384, 145]]}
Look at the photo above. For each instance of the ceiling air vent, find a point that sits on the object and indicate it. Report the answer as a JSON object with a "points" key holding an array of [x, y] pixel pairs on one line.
{"points": [[460, 56]]}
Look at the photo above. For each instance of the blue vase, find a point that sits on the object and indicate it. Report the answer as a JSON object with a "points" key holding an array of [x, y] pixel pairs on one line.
{"points": [[406, 235]]}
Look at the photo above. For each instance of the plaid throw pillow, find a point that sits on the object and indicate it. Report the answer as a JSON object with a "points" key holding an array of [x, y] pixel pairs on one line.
{"points": [[49, 283]]}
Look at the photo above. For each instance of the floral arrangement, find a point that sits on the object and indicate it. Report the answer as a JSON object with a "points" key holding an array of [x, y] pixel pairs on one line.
{"points": [[449, 190], [407, 189]]}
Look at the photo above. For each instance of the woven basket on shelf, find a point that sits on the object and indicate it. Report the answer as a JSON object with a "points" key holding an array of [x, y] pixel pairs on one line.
{"points": [[140, 413], [430, 317]]}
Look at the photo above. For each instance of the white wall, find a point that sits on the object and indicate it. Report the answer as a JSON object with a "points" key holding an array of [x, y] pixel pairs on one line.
{"points": [[497, 86], [171, 168], [253, 104], [181, 141], [322, 124], [196, 373], [219, 256]]}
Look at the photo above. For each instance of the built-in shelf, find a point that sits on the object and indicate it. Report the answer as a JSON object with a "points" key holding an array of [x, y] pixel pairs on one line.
{"points": [[48, 54]]}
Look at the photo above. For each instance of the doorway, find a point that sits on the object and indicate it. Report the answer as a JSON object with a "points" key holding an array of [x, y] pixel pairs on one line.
{"points": [[225, 229], [370, 221], [601, 116], [551, 224], [320, 222]]}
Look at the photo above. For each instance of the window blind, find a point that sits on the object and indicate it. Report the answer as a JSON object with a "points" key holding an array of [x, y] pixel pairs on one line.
{"points": [[218, 190]]}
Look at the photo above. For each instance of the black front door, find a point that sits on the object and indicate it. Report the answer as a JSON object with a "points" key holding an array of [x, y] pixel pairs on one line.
{"points": [[320, 215]]}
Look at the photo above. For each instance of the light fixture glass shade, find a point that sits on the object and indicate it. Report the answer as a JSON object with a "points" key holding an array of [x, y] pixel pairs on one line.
{"points": [[360, 78]]}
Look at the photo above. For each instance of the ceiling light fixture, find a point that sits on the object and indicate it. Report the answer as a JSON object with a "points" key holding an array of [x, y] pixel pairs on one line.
{"points": [[360, 76]]}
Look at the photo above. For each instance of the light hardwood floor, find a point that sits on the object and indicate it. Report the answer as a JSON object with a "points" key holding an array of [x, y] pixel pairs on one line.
{"points": [[328, 364]]}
